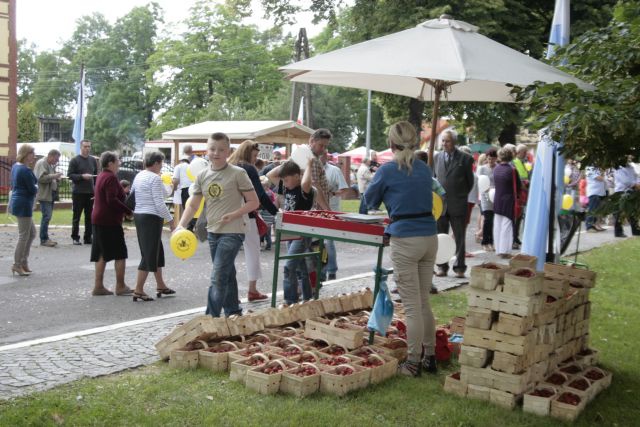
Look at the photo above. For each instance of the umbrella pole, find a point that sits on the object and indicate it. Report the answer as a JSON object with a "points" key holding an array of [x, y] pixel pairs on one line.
{"points": [[434, 121]]}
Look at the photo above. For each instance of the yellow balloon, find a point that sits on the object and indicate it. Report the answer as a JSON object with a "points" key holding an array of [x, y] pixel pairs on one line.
{"points": [[437, 206], [183, 244], [528, 167], [567, 180], [567, 202], [190, 175], [166, 178], [199, 211]]}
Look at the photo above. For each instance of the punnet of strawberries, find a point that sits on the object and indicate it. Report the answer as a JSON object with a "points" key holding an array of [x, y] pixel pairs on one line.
{"points": [[250, 350], [306, 371], [580, 384], [542, 392], [319, 343], [594, 375], [456, 376], [571, 369], [287, 333], [308, 357], [556, 379], [335, 350], [372, 362], [291, 351], [569, 398], [334, 361], [344, 371], [272, 369], [364, 351], [490, 266], [222, 348], [525, 272], [256, 361]]}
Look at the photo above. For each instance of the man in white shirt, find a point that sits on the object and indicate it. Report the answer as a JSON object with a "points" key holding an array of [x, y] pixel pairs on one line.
{"points": [[364, 177], [337, 187], [596, 190], [182, 182], [626, 181]]}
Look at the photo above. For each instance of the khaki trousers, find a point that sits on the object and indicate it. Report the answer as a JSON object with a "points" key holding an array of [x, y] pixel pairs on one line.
{"points": [[26, 235], [413, 260]]}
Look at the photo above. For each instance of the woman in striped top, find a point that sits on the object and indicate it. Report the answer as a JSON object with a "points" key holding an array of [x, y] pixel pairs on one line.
{"points": [[149, 215]]}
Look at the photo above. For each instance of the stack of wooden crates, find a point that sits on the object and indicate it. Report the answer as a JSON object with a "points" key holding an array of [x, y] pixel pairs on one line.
{"points": [[521, 326]]}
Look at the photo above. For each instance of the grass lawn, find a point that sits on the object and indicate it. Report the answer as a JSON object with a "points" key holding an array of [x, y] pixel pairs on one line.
{"points": [[60, 217], [158, 395]]}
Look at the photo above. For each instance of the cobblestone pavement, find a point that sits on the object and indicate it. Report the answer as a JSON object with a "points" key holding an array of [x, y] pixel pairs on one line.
{"points": [[43, 366]]}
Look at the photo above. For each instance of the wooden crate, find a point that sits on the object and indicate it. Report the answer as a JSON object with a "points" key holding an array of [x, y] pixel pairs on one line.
{"points": [[575, 275], [276, 317], [561, 375], [588, 356], [299, 386], [248, 351], [522, 286], [487, 377], [587, 394], [457, 325], [523, 261], [246, 324], [487, 276], [539, 405], [479, 318], [202, 327], [265, 383], [499, 301], [386, 370], [599, 384], [346, 336], [332, 382], [555, 287], [395, 347], [474, 356], [510, 363], [496, 341], [504, 398], [514, 325], [331, 305], [217, 362], [184, 359], [350, 303], [364, 299], [452, 384], [478, 392], [565, 411]]}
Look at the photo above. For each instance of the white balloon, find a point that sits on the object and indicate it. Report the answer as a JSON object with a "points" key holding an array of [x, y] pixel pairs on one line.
{"points": [[446, 248], [492, 194], [483, 183], [301, 156], [197, 165], [191, 189]]}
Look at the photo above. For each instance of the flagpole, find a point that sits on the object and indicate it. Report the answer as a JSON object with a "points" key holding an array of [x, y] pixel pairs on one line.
{"points": [[368, 135], [78, 124]]}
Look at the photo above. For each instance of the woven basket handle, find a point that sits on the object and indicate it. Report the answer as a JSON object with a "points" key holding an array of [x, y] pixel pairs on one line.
{"points": [[305, 353], [277, 362], [260, 356], [294, 346], [231, 343], [204, 344], [376, 356], [311, 365]]}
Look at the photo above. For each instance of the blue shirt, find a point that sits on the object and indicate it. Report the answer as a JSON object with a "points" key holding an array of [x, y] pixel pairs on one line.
{"points": [[23, 190], [404, 194]]}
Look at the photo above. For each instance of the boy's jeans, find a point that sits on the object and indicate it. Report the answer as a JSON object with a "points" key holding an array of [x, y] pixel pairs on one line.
{"points": [[292, 267], [47, 213], [223, 292]]}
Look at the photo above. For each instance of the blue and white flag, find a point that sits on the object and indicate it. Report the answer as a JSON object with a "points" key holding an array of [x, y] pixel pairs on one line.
{"points": [[535, 239], [559, 35], [78, 124]]}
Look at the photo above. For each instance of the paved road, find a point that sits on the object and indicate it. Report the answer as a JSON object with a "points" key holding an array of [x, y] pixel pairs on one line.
{"points": [[57, 299]]}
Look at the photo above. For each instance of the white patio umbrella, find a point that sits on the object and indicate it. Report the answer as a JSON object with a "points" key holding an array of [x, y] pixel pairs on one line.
{"points": [[438, 56]]}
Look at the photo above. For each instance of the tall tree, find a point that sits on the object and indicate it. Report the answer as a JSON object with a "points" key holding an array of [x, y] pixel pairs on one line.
{"points": [[28, 130]]}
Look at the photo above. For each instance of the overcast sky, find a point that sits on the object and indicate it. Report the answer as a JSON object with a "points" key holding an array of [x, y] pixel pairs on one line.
{"points": [[47, 23]]}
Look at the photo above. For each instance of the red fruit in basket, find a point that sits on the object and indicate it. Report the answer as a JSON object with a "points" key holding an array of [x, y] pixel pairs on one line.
{"points": [[569, 398], [308, 358], [335, 350], [594, 375], [372, 362], [319, 344], [394, 345], [542, 392], [525, 272], [555, 379], [456, 376], [291, 351], [551, 299], [580, 384], [344, 371], [490, 266], [571, 369], [334, 361]]}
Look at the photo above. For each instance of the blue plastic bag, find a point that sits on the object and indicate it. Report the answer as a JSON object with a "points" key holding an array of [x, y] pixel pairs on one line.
{"points": [[382, 312]]}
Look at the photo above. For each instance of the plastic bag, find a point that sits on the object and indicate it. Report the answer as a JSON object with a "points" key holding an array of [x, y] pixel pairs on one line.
{"points": [[382, 312]]}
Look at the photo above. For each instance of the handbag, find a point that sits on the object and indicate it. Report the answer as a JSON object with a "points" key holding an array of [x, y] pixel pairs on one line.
{"points": [[263, 228], [130, 200], [518, 198]]}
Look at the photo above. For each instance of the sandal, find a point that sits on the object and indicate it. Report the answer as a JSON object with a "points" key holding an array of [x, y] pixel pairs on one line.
{"points": [[409, 369], [126, 292], [256, 296], [164, 291], [143, 297]]}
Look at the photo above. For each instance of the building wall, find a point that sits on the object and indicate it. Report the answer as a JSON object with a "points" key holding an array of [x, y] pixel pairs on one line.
{"points": [[8, 78]]}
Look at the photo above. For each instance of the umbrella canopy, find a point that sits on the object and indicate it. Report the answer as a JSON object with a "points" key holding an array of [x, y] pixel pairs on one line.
{"points": [[445, 55]]}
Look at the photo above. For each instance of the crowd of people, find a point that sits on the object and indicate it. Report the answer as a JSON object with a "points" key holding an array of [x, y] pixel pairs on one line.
{"points": [[237, 190]]}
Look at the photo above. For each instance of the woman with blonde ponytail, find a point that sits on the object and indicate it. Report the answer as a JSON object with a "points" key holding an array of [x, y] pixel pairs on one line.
{"points": [[404, 186]]}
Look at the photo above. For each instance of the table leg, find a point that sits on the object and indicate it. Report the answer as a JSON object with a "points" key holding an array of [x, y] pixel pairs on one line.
{"points": [[316, 293], [276, 262]]}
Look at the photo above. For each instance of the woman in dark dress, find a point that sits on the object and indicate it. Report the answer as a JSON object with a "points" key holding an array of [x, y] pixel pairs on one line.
{"points": [[506, 180], [108, 213]]}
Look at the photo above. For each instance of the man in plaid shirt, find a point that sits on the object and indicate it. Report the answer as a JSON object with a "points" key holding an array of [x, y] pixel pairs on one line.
{"points": [[318, 143]]}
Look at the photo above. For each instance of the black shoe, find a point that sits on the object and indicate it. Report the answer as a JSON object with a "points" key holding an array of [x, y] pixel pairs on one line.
{"points": [[77, 242], [87, 241], [332, 276], [621, 235], [429, 364]]}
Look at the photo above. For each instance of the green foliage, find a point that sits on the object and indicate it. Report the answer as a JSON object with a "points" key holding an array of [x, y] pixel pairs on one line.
{"points": [[28, 128]]}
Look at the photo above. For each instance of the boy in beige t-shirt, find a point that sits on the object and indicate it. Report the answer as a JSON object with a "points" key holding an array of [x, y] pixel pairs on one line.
{"points": [[229, 197]]}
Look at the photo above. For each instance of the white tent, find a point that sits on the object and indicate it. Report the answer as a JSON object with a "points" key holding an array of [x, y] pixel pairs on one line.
{"points": [[274, 131]]}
